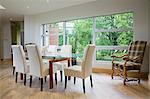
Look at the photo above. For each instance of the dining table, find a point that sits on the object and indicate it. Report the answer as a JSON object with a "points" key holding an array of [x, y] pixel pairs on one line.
{"points": [[52, 59]]}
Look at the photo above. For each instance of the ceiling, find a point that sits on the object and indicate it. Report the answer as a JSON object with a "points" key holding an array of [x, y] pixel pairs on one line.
{"points": [[16, 9]]}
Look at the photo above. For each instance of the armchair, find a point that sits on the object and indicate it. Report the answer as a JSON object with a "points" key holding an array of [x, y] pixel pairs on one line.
{"points": [[131, 61]]}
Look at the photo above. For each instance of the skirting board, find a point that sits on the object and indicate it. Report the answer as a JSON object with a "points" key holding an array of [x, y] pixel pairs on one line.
{"points": [[144, 75], [4, 60], [149, 81]]}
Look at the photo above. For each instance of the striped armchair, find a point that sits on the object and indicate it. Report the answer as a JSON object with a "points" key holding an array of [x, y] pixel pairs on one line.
{"points": [[131, 61]]}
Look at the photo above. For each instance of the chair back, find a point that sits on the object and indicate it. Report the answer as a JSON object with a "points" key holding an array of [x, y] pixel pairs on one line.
{"points": [[28, 44], [137, 48], [35, 60], [87, 60], [19, 59], [66, 51], [52, 48], [13, 62]]}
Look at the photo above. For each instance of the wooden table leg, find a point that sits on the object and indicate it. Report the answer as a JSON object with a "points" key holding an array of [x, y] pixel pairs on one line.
{"points": [[50, 75], [21, 76], [69, 78]]}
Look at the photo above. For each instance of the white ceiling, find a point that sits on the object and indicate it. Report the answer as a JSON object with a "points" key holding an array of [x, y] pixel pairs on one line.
{"points": [[16, 9]]}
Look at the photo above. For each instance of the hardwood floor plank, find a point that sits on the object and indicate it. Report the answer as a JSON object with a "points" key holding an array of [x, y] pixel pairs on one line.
{"points": [[103, 88]]}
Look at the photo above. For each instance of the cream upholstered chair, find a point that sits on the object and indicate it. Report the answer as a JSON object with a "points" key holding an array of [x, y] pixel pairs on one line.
{"points": [[52, 49], [37, 67], [84, 70], [66, 51], [19, 61], [13, 63]]}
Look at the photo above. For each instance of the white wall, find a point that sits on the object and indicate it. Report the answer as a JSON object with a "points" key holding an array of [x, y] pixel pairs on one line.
{"points": [[96, 8], [1, 43], [6, 39], [29, 29], [149, 59], [149, 43]]}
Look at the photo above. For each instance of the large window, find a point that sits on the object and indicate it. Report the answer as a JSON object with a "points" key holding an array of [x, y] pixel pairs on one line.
{"points": [[113, 30], [104, 31]]}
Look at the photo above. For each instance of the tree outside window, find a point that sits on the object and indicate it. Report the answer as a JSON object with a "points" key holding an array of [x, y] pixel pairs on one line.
{"points": [[110, 30]]}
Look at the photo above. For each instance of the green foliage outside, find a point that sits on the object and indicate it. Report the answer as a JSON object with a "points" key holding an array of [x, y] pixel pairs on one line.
{"points": [[118, 38], [81, 35], [119, 33]]}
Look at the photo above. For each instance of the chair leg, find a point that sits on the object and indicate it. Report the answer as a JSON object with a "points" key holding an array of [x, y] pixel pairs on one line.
{"points": [[61, 75], [139, 76], [24, 79], [65, 82], [45, 78], [112, 71], [30, 80], [16, 76], [56, 78], [83, 85], [91, 80], [13, 70], [125, 76], [74, 80], [41, 84]]}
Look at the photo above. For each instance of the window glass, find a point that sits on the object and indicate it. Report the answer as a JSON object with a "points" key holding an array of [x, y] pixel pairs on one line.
{"points": [[115, 21], [114, 38], [56, 31], [113, 30], [105, 55], [109, 30], [79, 34]]}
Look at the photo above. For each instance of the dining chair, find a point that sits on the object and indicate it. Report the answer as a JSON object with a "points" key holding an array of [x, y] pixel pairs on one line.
{"points": [[84, 70], [19, 61], [132, 61], [52, 49], [37, 67], [13, 63], [66, 51]]}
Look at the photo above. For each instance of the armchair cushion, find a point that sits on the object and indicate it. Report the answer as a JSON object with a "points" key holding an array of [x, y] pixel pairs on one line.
{"points": [[129, 65], [136, 59]]}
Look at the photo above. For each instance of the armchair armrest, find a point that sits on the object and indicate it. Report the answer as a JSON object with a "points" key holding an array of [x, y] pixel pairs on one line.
{"points": [[113, 56], [120, 57]]}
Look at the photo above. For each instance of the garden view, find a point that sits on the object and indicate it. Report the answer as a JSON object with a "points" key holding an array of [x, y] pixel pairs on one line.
{"points": [[110, 30]]}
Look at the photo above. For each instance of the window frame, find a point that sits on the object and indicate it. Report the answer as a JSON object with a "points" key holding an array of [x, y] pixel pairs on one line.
{"points": [[94, 34]]}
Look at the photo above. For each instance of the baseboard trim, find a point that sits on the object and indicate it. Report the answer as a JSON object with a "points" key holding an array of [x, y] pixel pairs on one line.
{"points": [[7, 59], [144, 75], [149, 81], [101, 70]]}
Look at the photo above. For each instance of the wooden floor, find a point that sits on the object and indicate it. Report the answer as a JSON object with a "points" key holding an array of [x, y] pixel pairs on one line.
{"points": [[104, 88]]}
